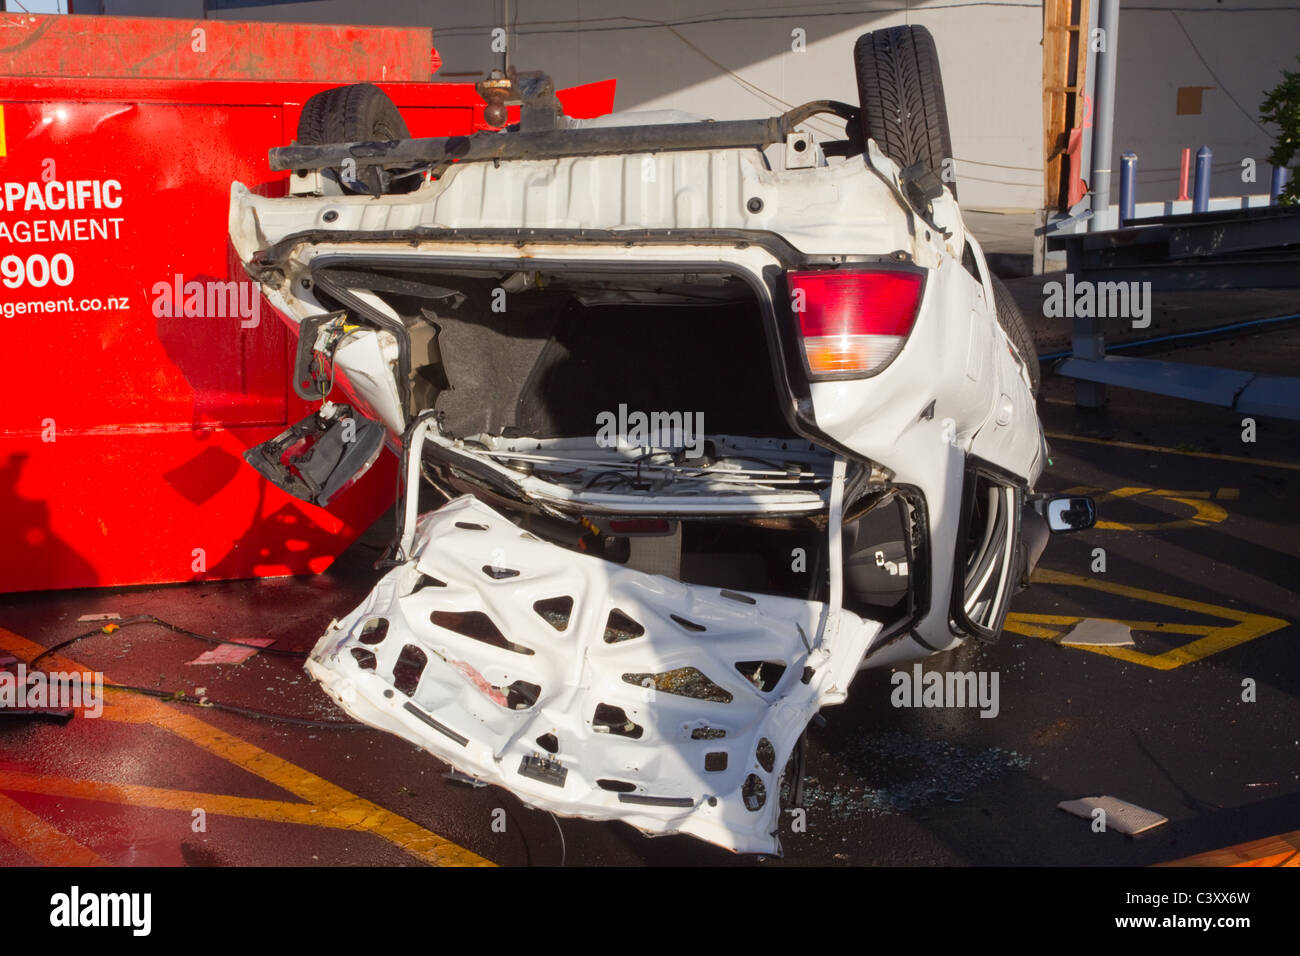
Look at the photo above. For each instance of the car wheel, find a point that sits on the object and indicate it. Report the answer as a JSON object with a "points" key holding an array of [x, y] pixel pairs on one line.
{"points": [[1013, 323], [358, 113], [900, 93]]}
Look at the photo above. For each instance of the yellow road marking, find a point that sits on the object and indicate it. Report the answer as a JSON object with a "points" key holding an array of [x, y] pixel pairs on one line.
{"points": [[1063, 620], [1204, 511], [39, 840], [1216, 638], [1265, 462], [1281, 850], [336, 805], [161, 798]]}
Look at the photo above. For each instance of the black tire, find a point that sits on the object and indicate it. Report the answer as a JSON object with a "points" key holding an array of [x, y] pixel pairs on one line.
{"points": [[1013, 323], [900, 92], [358, 113]]}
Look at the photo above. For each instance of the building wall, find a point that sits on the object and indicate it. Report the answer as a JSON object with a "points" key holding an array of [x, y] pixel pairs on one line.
{"points": [[733, 59], [1239, 48]]}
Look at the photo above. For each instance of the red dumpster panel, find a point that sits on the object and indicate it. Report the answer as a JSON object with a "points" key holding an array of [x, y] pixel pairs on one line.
{"points": [[116, 47], [124, 421], [127, 400]]}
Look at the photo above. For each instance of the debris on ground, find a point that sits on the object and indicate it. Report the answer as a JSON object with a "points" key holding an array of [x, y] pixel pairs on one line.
{"points": [[1095, 632], [233, 653], [896, 772], [1124, 817]]}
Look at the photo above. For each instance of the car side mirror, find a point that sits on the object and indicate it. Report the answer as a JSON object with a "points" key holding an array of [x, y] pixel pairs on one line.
{"points": [[1070, 513]]}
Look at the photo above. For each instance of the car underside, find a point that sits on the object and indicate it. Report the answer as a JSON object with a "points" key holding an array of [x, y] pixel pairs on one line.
{"points": [[709, 428]]}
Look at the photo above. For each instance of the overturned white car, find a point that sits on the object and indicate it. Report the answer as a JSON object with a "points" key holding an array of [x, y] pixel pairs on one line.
{"points": [[720, 415]]}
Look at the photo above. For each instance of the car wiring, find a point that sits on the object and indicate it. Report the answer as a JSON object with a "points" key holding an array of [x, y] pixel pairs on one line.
{"points": [[564, 849]]}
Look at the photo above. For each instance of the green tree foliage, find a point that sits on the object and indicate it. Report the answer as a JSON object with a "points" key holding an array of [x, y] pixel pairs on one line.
{"points": [[1282, 106]]}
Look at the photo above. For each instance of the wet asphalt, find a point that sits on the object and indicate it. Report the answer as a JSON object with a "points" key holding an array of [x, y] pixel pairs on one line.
{"points": [[1214, 557]]}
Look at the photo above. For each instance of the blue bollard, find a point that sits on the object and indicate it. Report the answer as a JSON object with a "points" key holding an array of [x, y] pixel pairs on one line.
{"points": [[1278, 183], [1201, 191], [1128, 164]]}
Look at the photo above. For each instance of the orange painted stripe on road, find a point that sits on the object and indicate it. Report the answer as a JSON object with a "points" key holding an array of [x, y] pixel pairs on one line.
{"points": [[348, 810], [41, 841], [161, 798], [1281, 850]]}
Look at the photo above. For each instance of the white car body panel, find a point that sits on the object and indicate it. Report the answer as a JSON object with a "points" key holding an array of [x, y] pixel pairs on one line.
{"points": [[459, 710], [955, 390]]}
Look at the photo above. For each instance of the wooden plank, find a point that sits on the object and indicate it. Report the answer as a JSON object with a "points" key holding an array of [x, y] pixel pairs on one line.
{"points": [[1081, 74], [1056, 15], [1065, 33]]}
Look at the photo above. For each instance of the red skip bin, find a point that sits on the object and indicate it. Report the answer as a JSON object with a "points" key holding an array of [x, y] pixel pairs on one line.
{"points": [[125, 414]]}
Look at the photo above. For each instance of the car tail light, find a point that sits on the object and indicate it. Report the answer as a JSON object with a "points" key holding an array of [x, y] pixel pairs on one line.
{"points": [[854, 322]]}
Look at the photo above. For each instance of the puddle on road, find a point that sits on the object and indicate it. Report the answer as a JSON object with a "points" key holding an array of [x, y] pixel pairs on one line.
{"points": [[895, 772]]}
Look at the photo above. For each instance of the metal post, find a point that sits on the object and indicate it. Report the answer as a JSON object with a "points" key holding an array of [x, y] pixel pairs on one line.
{"points": [[1128, 165], [1086, 338], [505, 25], [1104, 114], [1086, 334], [1185, 168], [1278, 183], [1201, 191]]}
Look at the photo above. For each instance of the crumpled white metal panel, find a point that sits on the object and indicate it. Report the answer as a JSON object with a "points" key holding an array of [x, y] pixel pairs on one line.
{"points": [[845, 208], [678, 692]]}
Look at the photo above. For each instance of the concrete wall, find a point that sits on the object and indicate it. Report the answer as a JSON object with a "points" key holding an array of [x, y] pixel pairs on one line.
{"points": [[1244, 46]]}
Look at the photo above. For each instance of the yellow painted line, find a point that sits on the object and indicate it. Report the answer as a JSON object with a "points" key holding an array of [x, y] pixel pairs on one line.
{"points": [[1168, 627], [39, 840], [1130, 492], [1245, 626], [160, 798], [345, 809], [1265, 462], [1204, 511], [1016, 626], [2, 132], [1282, 850], [1126, 492]]}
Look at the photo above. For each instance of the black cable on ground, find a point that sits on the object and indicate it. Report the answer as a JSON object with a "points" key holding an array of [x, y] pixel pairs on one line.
{"points": [[182, 698], [109, 627]]}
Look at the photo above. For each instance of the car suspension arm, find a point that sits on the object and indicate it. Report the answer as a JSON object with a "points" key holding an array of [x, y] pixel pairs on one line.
{"points": [[548, 144]]}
